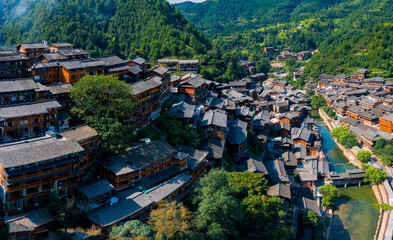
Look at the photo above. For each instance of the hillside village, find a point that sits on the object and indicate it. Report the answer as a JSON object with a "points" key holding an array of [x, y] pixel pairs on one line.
{"points": [[258, 125]]}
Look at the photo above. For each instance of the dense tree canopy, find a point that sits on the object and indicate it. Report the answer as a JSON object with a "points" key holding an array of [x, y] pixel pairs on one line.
{"points": [[344, 136], [171, 220], [176, 132], [384, 150], [218, 211], [375, 176], [348, 34], [317, 101], [244, 184], [101, 96], [104, 102], [329, 194], [225, 199], [329, 111], [149, 28], [364, 156], [133, 228]]}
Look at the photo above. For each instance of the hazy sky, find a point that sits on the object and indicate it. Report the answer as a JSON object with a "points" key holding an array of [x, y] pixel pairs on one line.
{"points": [[180, 1]]}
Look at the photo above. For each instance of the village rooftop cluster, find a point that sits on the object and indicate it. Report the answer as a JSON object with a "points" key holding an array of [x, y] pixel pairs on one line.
{"points": [[43, 156]]}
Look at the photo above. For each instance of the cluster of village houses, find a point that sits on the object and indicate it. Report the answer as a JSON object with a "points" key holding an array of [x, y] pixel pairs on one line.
{"points": [[43, 156], [286, 54], [364, 105]]}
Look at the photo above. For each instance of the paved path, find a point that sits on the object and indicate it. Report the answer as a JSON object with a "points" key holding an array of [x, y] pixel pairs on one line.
{"points": [[382, 191]]}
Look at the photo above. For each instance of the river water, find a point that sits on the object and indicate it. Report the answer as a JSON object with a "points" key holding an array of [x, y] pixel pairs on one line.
{"points": [[357, 214]]}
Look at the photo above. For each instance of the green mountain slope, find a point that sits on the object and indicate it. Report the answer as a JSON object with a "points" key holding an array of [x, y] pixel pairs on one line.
{"points": [[225, 17], [348, 34], [148, 28]]}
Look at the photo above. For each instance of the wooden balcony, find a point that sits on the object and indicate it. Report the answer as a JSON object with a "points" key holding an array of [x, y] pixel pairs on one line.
{"points": [[38, 173]]}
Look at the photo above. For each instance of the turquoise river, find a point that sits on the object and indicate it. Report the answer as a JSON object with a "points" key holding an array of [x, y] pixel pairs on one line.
{"points": [[357, 214]]}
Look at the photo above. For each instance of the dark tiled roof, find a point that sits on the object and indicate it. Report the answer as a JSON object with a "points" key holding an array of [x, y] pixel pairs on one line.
{"points": [[73, 52], [350, 121], [214, 146], [194, 82], [289, 159], [182, 110], [146, 85], [112, 60], [254, 165], [215, 118], [33, 45], [54, 56], [133, 200], [36, 150], [139, 60], [17, 85], [237, 132], [281, 190], [45, 65], [28, 221], [79, 133], [309, 204], [146, 153], [62, 45], [159, 70], [28, 109], [60, 88], [135, 70], [388, 117], [195, 156], [96, 189], [83, 63]]}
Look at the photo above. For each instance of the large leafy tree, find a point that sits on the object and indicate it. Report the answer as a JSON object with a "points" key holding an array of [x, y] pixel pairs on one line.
{"points": [[317, 101], [171, 220], [384, 149], [218, 211], [244, 184], [375, 176], [311, 220], [262, 211], [344, 136], [134, 228], [329, 195], [364, 156], [101, 96], [104, 102], [176, 132]]}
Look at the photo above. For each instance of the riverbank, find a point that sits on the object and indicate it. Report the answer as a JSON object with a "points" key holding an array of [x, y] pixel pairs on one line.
{"points": [[378, 190], [348, 153]]}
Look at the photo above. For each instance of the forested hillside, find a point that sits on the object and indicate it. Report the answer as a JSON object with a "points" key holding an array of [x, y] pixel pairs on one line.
{"points": [[148, 28], [225, 17], [348, 34]]}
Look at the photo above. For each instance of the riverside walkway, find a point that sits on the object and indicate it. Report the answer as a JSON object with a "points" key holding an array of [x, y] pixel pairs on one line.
{"points": [[383, 192]]}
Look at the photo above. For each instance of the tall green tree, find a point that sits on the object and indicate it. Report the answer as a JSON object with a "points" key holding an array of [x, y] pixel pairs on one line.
{"points": [[244, 184], [133, 228], [329, 195], [317, 101], [102, 96], [218, 211], [171, 220], [104, 102], [375, 176], [262, 211], [364, 156]]}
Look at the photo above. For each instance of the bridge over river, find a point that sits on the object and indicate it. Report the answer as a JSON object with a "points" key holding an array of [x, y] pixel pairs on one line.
{"points": [[357, 214]]}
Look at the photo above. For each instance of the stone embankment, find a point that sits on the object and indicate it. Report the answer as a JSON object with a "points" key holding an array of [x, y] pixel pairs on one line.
{"points": [[380, 191]]}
